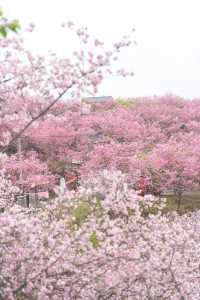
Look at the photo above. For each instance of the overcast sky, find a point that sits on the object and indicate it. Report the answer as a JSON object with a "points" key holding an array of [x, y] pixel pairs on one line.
{"points": [[166, 59]]}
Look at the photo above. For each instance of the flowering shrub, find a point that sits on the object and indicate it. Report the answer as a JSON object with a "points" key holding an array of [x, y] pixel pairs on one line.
{"points": [[101, 242], [29, 172]]}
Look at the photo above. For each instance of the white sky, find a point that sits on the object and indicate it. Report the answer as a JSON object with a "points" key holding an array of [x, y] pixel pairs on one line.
{"points": [[166, 59]]}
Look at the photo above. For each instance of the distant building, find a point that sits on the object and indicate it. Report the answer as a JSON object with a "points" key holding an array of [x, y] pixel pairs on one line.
{"points": [[91, 100]]}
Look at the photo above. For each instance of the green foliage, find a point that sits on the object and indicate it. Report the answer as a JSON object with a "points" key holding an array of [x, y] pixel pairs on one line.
{"points": [[143, 154], [84, 208], [127, 103], [1, 12], [14, 26], [94, 240], [6, 26], [81, 212], [3, 31], [150, 211], [130, 211]]}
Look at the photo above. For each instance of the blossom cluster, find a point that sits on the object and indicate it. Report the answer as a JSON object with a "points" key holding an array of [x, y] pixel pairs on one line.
{"points": [[103, 241]]}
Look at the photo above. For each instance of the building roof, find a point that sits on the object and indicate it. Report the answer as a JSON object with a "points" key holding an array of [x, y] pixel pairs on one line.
{"points": [[97, 99]]}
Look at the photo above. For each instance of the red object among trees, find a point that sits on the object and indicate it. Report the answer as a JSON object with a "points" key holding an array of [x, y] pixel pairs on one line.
{"points": [[71, 179]]}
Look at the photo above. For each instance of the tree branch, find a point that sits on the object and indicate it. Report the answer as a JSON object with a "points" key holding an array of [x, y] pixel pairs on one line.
{"points": [[6, 80], [42, 113]]}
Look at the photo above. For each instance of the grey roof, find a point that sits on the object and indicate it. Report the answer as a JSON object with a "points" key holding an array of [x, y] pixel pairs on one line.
{"points": [[97, 99]]}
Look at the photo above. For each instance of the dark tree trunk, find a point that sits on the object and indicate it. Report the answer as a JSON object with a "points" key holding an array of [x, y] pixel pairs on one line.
{"points": [[179, 199]]}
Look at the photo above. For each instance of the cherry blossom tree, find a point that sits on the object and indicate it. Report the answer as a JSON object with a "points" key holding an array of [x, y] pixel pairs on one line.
{"points": [[50, 77], [97, 244], [29, 172], [40, 87]]}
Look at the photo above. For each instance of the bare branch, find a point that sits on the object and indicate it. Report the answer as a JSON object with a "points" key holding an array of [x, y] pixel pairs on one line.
{"points": [[6, 80]]}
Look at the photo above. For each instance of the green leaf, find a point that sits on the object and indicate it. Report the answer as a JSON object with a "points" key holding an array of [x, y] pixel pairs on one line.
{"points": [[130, 211], [81, 212], [94, 240], [14, 26], [3, 31]]}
